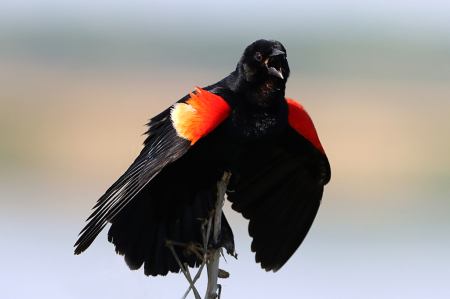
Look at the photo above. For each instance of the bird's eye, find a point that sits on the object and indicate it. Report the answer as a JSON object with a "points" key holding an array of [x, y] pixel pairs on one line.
{"points": [[258, 56]]}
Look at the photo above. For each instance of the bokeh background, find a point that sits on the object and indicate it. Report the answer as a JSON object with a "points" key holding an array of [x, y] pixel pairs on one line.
{"points": [[79, 79]]}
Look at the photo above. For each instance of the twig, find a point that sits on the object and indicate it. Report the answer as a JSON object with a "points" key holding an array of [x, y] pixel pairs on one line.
{"points": [[195, 278], [214, 256], [205, 237], [210, 257], [186, 274]]}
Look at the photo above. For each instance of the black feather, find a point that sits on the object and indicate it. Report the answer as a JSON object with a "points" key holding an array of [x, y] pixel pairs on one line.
{"points": [[281, 199], [277, 176], [163, 146]]}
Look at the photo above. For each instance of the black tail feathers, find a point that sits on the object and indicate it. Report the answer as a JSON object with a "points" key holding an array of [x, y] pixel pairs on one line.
{"points": [[139, 232]]}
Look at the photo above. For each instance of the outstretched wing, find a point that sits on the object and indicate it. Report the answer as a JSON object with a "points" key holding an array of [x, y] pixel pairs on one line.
{"points": [[281, 197], [170, 135]]}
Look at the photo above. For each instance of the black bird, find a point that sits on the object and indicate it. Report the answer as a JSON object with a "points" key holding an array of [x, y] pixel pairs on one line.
{"points": [[242, 124]]}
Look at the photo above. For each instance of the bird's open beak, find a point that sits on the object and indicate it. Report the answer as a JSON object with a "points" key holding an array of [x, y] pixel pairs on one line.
{"points": [[273, 63]]}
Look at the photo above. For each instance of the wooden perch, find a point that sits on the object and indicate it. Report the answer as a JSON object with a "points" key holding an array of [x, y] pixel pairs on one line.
{"points": [[214, 257], [210, 257]]}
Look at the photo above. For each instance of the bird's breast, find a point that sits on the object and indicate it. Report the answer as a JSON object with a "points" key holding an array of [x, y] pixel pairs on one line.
{"points": [[259, 123]]}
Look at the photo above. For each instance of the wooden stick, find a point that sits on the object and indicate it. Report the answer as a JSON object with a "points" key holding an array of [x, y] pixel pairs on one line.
{"points": [[214, 257], [205, 236], [210, 257], [185, 272]]}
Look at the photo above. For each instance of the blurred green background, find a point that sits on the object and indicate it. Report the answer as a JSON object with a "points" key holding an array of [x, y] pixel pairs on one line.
{"points": [[79, 79]]}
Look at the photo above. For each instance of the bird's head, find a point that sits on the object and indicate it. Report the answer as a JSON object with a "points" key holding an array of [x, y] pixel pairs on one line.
{"points": [[264, 60]]}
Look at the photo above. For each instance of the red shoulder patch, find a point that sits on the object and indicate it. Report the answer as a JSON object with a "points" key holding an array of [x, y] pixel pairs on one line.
{"points": [[201, 114], [299, 120]]}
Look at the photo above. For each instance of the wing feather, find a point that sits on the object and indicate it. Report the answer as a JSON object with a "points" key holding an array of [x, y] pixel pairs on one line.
{"points": [[142, 212], [281, 198], [163, 146]]}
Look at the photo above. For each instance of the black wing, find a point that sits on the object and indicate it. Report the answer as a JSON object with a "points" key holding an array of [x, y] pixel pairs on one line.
{"points": [[281, 198], [162, 196], [162, 146]]}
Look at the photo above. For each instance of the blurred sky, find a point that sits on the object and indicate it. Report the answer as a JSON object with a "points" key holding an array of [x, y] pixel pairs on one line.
{"points": [[79, 79]]}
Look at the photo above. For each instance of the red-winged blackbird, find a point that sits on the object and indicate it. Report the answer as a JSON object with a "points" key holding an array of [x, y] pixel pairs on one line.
{"points": [[242, 124]]}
